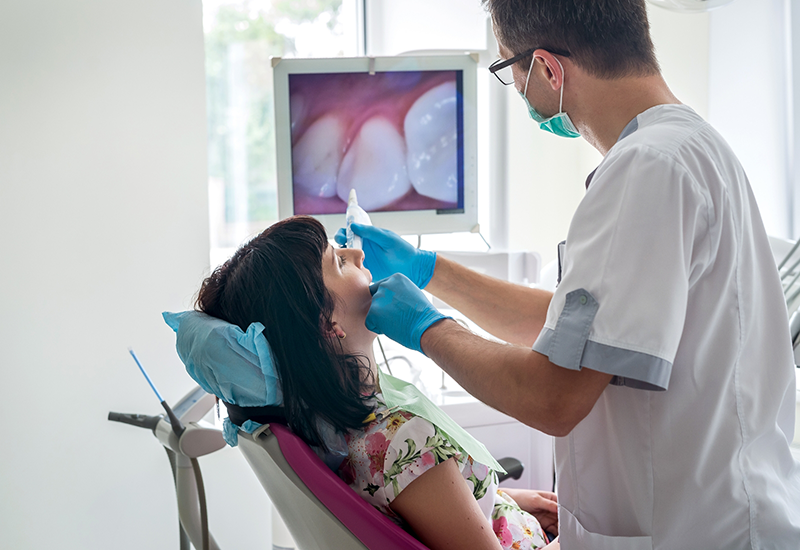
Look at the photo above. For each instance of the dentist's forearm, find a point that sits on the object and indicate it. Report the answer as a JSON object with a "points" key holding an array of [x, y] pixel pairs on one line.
{"points": [[511, 312], [513, 379]]}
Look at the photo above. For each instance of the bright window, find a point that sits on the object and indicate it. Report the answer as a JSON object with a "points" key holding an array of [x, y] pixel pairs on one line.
{"points": [[240, 38]]}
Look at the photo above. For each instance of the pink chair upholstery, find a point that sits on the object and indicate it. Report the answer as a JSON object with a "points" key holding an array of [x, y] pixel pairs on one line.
{"points": [[374, 530]]}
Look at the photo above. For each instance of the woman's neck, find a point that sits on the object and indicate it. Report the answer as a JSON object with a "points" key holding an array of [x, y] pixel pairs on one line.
{"points": [[363, 348]]}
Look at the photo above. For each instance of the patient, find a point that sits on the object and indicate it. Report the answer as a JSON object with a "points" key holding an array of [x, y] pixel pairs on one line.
{"points": [[313, 299]]}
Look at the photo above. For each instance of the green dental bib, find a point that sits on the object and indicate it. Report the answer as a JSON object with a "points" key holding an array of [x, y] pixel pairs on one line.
{"points": [[399, 394]]}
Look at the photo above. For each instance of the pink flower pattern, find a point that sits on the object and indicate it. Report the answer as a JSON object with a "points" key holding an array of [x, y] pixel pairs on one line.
{"points": [[389, 453], [376, 445], [500, 527]]}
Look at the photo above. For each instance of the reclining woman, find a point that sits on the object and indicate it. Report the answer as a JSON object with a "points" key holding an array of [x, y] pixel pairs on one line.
{"points": [[313, 299]]}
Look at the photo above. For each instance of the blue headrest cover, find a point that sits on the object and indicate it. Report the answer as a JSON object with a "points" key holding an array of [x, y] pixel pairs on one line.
{"points": [[236, 366]]}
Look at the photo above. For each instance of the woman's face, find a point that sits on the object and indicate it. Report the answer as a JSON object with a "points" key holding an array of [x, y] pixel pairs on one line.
{"points": [[348, 280]]}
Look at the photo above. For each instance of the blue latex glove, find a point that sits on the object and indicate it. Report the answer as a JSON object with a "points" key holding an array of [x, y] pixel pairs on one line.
{"points": [[386, 253], [400, 311]]}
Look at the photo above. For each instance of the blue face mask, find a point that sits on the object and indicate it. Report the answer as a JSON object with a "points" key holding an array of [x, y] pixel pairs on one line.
{"points": [[559, 124]]}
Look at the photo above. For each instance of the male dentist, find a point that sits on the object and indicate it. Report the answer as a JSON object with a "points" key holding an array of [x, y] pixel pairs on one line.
{"points": [[662, 363]]}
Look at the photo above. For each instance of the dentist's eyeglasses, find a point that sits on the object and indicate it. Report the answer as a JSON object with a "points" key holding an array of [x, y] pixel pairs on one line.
{"points": [[502, 67]]}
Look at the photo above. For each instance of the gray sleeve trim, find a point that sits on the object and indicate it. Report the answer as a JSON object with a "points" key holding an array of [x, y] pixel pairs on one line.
{"points": [[630, 368], [572, 329], [568, 346]]}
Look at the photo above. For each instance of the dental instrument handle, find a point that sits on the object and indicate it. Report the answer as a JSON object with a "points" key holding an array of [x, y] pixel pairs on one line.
{"points": [[177, 426], [140, 420]]}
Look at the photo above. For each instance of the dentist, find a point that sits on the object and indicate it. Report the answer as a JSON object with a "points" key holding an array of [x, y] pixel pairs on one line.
{"points": [[662, 362]]}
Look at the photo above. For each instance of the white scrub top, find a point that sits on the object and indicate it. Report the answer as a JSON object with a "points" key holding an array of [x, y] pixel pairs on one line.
{"points": [[669, 285]]}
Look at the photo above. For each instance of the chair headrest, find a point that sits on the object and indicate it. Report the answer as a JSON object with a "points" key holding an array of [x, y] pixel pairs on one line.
{"points": [[236, 366], [239, 368]]}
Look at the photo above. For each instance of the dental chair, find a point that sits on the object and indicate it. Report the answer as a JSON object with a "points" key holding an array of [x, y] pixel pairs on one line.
{"points": [[319, 509]]}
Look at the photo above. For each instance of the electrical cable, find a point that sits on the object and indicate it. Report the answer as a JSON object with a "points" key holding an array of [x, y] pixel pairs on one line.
{"points": [[488, 246], [201, 495], [184, 538], [406, 360], [385, 360]]}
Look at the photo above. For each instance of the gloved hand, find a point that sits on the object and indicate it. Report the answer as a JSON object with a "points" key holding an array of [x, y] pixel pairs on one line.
{"points": [[386, 253], [400, 311]]}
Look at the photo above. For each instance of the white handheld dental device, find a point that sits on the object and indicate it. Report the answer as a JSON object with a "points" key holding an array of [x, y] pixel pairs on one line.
{"points": [[354, 214]]}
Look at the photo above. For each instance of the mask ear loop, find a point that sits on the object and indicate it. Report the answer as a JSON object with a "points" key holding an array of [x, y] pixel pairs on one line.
{"points": [[561, 100], [525, 92]]}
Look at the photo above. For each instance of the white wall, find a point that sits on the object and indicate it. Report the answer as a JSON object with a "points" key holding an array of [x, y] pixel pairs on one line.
{"points": [[750, 99], [103, 225]]}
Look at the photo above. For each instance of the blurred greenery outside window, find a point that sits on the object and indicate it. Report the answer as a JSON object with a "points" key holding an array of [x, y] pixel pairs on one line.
{"points": [[240, 38]]}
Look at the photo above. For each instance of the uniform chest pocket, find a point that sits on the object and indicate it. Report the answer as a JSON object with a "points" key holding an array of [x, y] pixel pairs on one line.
{"points": [[574, 537]]}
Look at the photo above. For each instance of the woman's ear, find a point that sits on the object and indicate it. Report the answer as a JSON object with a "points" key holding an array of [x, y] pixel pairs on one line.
{"points": [[335, 330]]}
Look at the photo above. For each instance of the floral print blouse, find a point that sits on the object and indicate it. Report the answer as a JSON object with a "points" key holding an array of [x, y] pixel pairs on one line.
{"points": [[397, 447]]}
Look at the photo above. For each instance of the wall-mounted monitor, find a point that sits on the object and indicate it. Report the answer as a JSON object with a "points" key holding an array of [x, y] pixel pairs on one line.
{"points": [[401, 131]]}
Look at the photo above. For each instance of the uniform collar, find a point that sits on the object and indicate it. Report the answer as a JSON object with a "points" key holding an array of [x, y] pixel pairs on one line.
{"points": [[630, 128]]}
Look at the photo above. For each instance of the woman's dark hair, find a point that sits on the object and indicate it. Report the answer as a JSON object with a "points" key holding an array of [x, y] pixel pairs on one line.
{"points": [[276, 279], [608, 38]]}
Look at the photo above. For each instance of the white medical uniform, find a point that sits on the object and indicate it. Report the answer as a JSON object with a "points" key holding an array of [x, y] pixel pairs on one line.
{"points": [[669, 285]]}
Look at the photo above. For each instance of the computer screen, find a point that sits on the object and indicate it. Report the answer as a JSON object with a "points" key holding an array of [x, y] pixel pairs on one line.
{"points": [[400, 131]]}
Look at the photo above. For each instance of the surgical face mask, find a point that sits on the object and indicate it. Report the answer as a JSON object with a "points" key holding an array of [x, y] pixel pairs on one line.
{"points": [[559, 124]]}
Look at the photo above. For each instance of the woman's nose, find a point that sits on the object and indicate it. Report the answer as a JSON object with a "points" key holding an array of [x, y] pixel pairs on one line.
{"points": [[358, 256]]}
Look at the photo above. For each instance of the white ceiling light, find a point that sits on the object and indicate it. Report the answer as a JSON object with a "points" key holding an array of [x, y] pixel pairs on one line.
{"points": [[690, 6]]}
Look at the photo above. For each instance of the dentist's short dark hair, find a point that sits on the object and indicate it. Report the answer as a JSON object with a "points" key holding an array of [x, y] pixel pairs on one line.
{"points": [[607, 38]]}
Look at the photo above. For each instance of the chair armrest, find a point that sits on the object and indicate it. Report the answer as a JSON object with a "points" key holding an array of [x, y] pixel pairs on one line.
{"points": [[513, 468]]}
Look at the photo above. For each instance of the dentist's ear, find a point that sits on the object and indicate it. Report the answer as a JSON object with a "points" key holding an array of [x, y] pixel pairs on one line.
{"points": [[555, 70]]}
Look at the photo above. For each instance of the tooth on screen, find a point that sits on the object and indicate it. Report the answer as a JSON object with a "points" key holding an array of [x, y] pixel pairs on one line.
{"points": [[375, 166], [316, 157], [432, 140]]}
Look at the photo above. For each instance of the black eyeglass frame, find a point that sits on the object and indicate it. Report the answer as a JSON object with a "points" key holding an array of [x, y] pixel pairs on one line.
{"points": [[503, 63]]}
